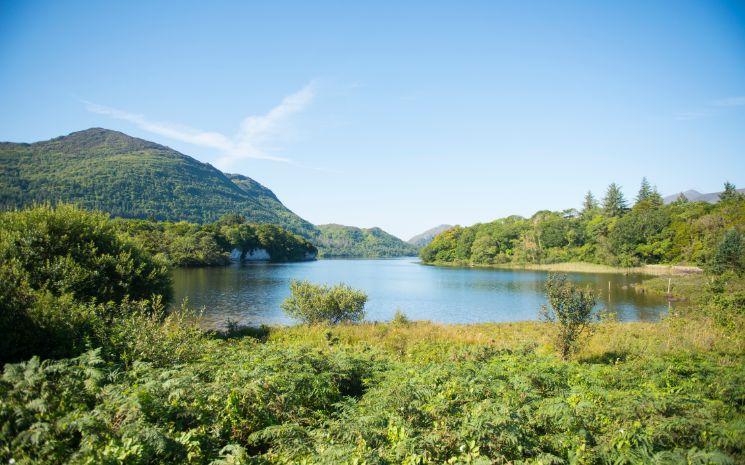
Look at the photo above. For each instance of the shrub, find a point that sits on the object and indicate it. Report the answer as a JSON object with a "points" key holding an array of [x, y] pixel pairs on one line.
{"points": [[67, 250], [63, 274], [400, 318], [570, 308], [313, 303]]}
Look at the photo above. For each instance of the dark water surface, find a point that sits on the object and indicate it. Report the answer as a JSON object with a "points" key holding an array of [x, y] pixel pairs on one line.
{"points": [[251, 293]]}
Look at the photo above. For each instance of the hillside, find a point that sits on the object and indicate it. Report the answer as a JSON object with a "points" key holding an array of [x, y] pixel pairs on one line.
{"points": [[336, 240], [420, 240], [133, 178]]}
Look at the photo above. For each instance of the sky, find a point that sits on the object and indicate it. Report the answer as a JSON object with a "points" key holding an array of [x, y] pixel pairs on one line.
{"points": [[402, 115]]}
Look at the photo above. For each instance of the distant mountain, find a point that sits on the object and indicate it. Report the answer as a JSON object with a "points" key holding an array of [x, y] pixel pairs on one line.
{"points": [[336, 240], [420, 240], [696, 196], [128, 177], [106, 170]]}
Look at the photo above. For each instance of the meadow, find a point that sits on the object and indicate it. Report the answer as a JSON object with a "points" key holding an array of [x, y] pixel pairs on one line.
{"points": [[98, 372]]}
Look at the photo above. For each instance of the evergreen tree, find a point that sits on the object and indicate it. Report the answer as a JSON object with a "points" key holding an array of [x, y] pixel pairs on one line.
{"points": [[614, 203], [730, 192], [590, 203], [645, 191], [729, 254], [681, 199], [656, 199]]}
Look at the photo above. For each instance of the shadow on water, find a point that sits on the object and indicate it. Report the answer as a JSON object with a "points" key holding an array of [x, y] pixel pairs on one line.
{"points": [[251, 293]]}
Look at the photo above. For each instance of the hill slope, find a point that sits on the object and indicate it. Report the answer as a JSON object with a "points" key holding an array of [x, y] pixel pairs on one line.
{"points": [[336, 240], [420, 240], [128, 177]]}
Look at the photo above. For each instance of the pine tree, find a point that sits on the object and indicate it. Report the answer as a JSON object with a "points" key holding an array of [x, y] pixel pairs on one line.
{"points": [[614, 203], [645, 191], [589, 204], [730, 192], [681, 199], [656, 199]]}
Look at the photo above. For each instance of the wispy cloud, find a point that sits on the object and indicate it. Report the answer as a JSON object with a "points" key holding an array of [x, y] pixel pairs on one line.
{"points": [[253, 139], [712, 108], [691, 115], [729, 102]]}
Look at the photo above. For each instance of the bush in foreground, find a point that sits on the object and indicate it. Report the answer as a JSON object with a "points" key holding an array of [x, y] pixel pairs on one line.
{"points": [[313, 303], [63, 274], [570, 308], [301, 397]]}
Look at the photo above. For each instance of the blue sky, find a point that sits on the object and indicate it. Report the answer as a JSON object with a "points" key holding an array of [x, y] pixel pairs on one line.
{"points": [[402, 116]]}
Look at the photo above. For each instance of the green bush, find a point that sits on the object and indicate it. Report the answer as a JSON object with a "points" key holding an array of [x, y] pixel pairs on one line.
{"points": [[570, 309], [312, 303], [65, 250], [63, 274]]}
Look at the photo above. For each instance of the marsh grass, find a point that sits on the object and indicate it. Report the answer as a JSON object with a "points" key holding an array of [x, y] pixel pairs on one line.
{"points": [[584, 267], [421, 339]]}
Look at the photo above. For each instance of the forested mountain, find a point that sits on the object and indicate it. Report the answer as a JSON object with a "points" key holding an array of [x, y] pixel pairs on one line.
{"points": [[612, 232], [336, 240], [100, 169], [106, 170], [420, 240]]}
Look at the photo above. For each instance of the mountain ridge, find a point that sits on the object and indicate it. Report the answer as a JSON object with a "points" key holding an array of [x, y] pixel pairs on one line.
{"points": [[695, 196], [107, 170], [129, 177], [424, 238], [338, 240]]}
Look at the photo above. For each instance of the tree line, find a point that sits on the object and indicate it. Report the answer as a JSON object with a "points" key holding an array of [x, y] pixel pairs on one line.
{"points": [[186, 244], [610, 231]]}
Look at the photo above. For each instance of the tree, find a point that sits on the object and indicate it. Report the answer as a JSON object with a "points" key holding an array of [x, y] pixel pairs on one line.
{"points": [[614, 203], [313, 303], [729, 193], [590, 204], [656, 199], [570, 309], [729, 254], [681, 199], [648, 196], [645, 191]]}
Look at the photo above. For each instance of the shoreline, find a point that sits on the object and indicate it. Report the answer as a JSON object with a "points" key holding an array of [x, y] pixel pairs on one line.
{"points": [[582, 267]]}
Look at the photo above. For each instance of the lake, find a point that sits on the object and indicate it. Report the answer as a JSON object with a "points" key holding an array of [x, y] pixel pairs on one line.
{"points": [[251, 293]]}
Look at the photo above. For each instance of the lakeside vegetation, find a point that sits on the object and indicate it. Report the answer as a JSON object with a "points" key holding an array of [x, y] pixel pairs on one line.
{"points": [[607, 233], [185, 244], [103, 374]]}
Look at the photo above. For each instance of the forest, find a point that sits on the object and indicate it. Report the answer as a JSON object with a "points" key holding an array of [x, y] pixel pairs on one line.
{"points": [[101, 368], [610, 231], [185, 244]]}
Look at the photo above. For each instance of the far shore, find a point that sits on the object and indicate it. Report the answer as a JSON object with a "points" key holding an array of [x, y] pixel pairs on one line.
{"points": [[584, 267]]}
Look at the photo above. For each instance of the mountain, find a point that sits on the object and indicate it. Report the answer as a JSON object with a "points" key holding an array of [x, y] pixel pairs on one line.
{"points": [[106, 170], [420, 240], [696, 196], [133, 178], [336, 240]]}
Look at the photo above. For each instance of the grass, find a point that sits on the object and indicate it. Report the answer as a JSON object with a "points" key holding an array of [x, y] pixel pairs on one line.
{"points": [[585, 267], [414, 340]]}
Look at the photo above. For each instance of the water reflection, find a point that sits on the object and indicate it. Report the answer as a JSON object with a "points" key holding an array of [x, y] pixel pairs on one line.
{"points": [[252, 293]]}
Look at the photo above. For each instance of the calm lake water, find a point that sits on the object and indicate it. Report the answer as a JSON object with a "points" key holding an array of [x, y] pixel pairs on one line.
{"points": [[251, 293]]}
